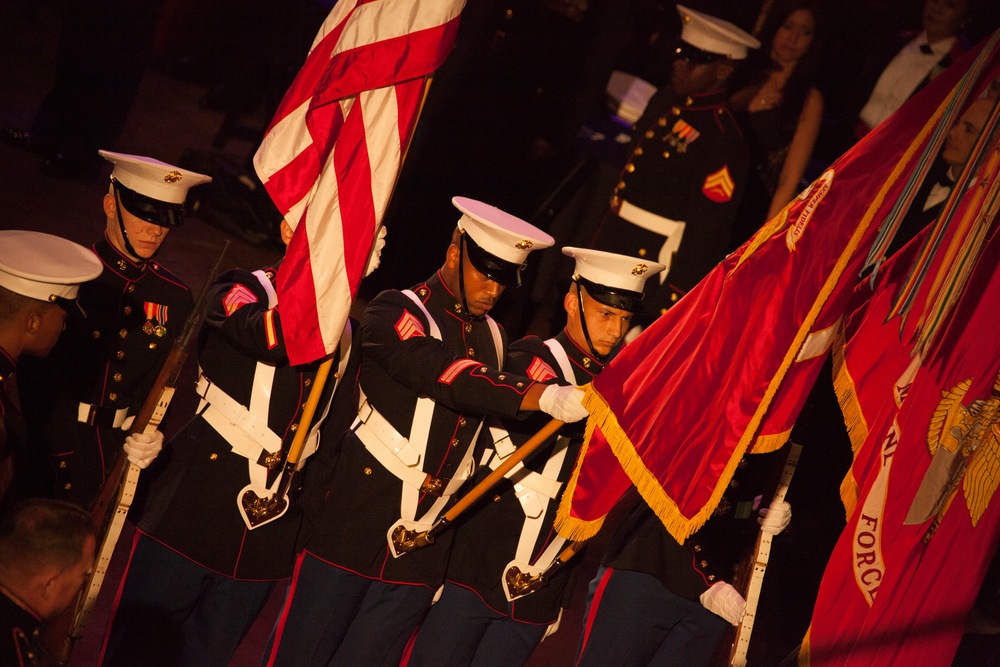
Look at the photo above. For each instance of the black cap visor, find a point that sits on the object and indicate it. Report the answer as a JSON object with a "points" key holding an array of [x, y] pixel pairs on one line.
{"points": [[71, 306], [693, 55], [613, 296], [498, 270], [151, 210]]}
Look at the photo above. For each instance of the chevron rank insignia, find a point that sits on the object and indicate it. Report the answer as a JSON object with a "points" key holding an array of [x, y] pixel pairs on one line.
{"points": [[238, 296], [409, 326], [539, 371], [719, 186]]}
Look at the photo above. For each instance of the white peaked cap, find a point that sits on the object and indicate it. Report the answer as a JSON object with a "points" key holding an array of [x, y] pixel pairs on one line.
{"points": [[44, 267], [152, 178], [612, 270], [498, 233], [715, 35]]}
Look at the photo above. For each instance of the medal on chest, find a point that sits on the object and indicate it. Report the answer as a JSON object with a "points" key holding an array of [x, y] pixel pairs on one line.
{"points": [[681, 135], [156, 319]]}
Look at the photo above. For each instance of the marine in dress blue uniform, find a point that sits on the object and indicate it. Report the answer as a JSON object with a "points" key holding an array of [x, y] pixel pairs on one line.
{"points": [[678, 193], [657, 602], [479, 619], [100, 373], [19, 646], [40, 277], [649, 603], [430, 372], [222, 569], [46, 548]]}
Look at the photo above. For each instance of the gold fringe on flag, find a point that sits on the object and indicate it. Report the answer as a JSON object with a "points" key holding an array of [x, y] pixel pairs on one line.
{"points": [[765, 444], [854, 418], [568, 526], [805, 659], [649, 487]]}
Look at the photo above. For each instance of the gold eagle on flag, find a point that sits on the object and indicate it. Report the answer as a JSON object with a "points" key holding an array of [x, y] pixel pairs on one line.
{"points": [[965, 443]]}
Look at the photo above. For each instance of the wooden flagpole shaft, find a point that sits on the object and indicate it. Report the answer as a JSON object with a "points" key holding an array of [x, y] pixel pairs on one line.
{"points": [[521, 583], [308, 412], [260, 510], [521, 453], [409, 541], [263, 509]]}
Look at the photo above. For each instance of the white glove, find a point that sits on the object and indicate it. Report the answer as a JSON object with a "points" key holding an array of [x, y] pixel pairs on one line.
{"points": [[775, 518], [142, 448], [376, 255], [565, 403], [725, 601]]}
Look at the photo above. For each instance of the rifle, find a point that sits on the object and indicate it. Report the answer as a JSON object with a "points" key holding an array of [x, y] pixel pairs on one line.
{"points": [[60, 633], [752, 573]]}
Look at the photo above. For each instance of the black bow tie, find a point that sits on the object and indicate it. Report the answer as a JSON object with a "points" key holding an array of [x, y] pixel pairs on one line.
{"points": [[945, 181], [926, 49]]}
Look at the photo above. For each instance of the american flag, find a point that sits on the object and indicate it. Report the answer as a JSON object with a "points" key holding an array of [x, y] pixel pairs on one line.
{"points": [[333, 151]]}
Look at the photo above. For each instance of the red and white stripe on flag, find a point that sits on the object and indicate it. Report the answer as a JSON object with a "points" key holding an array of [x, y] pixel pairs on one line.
{"points": [[333, 151]]}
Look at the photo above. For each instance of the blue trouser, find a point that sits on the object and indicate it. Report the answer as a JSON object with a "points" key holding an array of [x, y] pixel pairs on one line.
{"points": [[175, 613], [632, 619], [461, 630], [335, 617]]}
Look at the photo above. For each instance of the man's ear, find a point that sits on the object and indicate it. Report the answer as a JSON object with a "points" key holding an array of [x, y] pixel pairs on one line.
{"points": [[723, 71], [48, 584], [110, 206], [286, 232], [570, 302], [452, 257], [33, 321]]}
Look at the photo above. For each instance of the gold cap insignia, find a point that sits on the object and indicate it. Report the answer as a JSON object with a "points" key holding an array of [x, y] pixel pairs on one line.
{"points": [[172, 176], [639, 269], [523, 245]]}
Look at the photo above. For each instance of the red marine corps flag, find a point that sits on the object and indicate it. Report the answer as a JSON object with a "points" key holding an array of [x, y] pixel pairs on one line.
{"points": [[923, 516], [332, 154], [921, 398], [726, 370]]}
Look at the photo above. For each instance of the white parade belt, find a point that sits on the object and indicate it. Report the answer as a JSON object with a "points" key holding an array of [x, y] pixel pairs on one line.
{"points": [[648, 220], [528, 484], [246, 433], [673, 230], [86, 413], [397, 456]]}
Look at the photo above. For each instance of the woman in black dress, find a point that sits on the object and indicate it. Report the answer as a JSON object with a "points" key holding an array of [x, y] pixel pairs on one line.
{"points": [[779, 109]]}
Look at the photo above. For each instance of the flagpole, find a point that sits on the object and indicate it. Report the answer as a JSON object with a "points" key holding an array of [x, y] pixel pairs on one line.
{"points": [[402, 160], [261, 510], [520, 583], [405, 540]]}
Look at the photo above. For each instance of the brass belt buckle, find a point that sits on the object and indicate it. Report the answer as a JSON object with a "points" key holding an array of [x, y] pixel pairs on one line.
{"points": [[434, 485], [92, 415], [271, 461]]}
